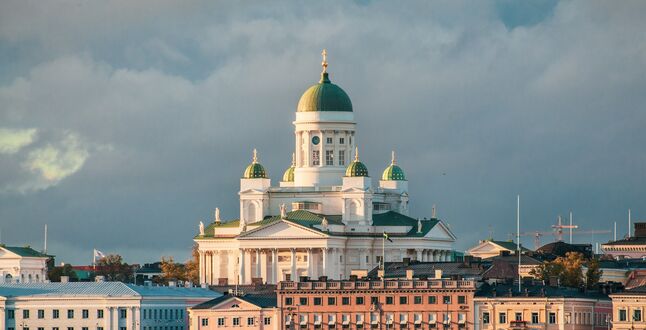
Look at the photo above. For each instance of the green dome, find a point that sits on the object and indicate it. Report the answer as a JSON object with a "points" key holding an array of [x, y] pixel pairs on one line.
{"points": [[356, 168], [288, 176], [255, 170], [393, 172], [324, 96]]}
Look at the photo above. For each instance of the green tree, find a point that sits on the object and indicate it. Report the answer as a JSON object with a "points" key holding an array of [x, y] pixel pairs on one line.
{"points": [[55, 273], [593, 274], [192, 266], [114, 269], [172, 270], [568, 269]]}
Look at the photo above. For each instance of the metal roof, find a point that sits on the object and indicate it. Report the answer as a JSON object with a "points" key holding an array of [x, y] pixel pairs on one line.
{"points": [[98, 289]]}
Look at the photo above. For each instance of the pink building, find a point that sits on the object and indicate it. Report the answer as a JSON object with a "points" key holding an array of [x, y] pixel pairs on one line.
{"points": [[251, 311]]}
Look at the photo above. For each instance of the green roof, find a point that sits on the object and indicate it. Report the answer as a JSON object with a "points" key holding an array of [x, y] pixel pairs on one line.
{"points": [[25, 251], [393, 173], [324, 96], [288, 176], [356, 168], [254, 171]]}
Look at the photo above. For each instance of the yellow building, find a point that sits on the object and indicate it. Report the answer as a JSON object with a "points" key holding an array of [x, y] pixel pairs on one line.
{"points": [[628, 308], [250, 311]]}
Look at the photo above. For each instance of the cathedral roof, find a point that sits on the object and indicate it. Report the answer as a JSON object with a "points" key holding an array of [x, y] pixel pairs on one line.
{"points": [[324, 96], [356, 168], [288, 176], [393, 172], [255, 170]]}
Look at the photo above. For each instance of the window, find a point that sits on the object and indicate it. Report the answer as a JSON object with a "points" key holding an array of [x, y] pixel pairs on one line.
{"points": [[41, 328], [85, 328], [123, 313], [374, 300], [446, 299], [70, 313], [502, 318], [97, 328], [342, 157], [316, 157], [25, 313], [432, 300], [534, 317], [345, 300], [329, 157], [331, 301], [99, 313], [637, 315], [289, 301], [359, 300], [85, 313], [55, 314], [403, 300], [622, 315], [302, 301], [220, 321], [390, 300], [267, 321], [318, 301], [329, 140], [205, 322], [462, 300], [518, 316], [11, 314], [250, 321], [417, 300], [485, 318], [552, 318], [236, 321], [41, 313]]}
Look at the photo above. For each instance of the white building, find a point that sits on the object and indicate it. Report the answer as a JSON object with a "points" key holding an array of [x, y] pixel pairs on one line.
{"points": [[337, 213], [97, 306], [22, 265]]}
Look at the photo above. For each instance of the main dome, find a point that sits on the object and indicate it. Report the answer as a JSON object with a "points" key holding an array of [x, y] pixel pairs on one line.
{"points": [[324, 96]]}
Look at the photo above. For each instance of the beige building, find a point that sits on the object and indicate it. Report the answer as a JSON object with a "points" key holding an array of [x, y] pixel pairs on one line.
{"points": [[490, 248], [540, 307], [22, 265], [251, 311], [628, 309]]}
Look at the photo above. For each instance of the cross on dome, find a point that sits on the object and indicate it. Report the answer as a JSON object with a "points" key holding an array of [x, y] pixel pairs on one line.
{"points": [[356, 154], [324, 63], [392, 160], [255, 156]]}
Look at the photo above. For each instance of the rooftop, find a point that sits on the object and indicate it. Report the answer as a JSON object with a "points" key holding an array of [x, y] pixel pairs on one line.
{"points": [[377, 284], [25, 251], [98, 289], [421, 269], [263, 300], [534, 291]]}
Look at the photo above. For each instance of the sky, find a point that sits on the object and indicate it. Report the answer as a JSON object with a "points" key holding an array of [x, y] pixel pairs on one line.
{"points": [[125, 123]]}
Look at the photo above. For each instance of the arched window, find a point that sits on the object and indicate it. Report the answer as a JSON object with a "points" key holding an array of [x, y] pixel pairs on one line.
{"points": [[251, 212]]}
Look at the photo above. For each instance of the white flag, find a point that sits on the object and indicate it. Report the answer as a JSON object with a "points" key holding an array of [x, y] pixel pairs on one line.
{"points": [[98, 254]]}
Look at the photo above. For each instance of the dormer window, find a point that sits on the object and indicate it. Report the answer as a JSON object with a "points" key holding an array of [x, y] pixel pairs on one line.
{"points": [[378, 207]]}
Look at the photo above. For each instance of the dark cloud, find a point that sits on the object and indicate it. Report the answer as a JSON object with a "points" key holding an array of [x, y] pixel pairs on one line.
{"points": [[482, 101]]}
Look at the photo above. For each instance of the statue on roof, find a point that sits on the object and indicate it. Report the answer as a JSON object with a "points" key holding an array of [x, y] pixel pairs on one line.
{"points": [[283, 211], [324, 224], [217, 215], [201, 228], [419, 226]]}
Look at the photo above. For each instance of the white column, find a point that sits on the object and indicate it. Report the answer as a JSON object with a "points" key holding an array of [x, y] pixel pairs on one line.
{"points": [[341, 269], [274, 266], [247, 265], [202, 267], [232, 266], [137, 313], [257, 263], [208, 267], [419, 254], [294, 275], [115, 317], [324, 267], [2, 317], [215, 265], [241, 264], [108, 318], [310, 264], [362, 258], [263, 267]]}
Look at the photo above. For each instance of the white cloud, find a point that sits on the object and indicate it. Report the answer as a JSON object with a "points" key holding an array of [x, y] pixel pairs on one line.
{"points": [[12, 140]]}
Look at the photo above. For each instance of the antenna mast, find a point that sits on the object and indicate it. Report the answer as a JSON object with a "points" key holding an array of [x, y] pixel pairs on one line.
{"points": [[571, 227], [518, 237], [629, 223], [45, 243]]}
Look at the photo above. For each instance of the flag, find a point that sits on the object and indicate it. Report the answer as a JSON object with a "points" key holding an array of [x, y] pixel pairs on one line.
{"points": [[98, 255], [387, 237]]}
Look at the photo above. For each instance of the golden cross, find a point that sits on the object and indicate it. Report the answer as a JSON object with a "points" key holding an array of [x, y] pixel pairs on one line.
{"points": [[324, 63]]}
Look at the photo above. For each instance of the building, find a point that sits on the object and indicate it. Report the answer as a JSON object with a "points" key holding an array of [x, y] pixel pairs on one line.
{"points": [[22, 265], [97, 306], [630, 247], [468, 269], [491, 248], [400, 303], [540, 307], [325, 217], [505, 267], [628, 309], [250, 311], [551, 251]]}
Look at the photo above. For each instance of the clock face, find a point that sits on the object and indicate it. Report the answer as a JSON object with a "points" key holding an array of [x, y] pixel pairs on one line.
{"points": [[316, 140]]}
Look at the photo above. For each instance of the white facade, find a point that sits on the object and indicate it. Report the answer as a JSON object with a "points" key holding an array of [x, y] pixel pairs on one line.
{"points": [[97, 306], [320, 222], [22, 265]]}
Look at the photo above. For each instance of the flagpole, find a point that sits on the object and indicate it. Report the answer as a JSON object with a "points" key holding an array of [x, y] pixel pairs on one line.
{"points": [[383, 252], [518, 237]]}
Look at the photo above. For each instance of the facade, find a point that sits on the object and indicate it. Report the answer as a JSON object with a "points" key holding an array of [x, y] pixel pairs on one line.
{"points": [[22, 265], [628, 309], [97, 306], [401, 304], [631, 247], [540, 307], [490, 248], [325, 217], [251, 311]]}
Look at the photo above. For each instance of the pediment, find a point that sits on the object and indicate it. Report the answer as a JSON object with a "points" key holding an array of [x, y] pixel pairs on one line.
{"points": [[235, 303], [252, 192], [440, 231], [282, 229], [487, 247]]}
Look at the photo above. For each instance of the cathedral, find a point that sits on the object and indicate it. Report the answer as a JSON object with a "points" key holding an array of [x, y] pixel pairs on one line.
{"points": [[325, 217]]}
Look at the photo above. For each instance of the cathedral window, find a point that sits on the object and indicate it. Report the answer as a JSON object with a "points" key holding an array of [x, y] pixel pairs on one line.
{"points": [[316, 157], [342, 157], [341, 140], [329, 140], [329, 157]]}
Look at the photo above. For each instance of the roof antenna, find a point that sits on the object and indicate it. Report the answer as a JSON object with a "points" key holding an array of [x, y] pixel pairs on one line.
{"points": [[433, 215], [45, 243]]}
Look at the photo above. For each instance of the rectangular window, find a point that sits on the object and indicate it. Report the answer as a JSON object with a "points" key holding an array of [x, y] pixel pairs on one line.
{"points": [[289, 301], [637, 315], [220, 321], [417, 300], [303, 301], [329, 140], [341, 140], [462, 300], [11, 314], [85, 313], [236, 321], [345, 300], [55, 314], [502, 318], [534, 317], [85, 328], [123, 313], [403, 300], [41, 313], [359, 300], [341, 157], [25, 313], [447, 300], [70, 313], [329, 157], [267, 321], [99, 313], [331, 301], [432, 300], [390, 300], [374, 300], [519, 316], [622, 315], [552, 317], [250, 321], [318, 301], [485, 318], [316, 157]]}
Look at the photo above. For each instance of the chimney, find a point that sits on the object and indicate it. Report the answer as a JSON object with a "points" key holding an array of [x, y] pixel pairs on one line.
{"points": [[172, 284], [409, 274], [323, 278], [505, 253], [380, 273], [99, 279], [65, 279], [640, 229], [438, 274]]}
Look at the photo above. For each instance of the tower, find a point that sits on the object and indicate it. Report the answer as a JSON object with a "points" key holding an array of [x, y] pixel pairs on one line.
{"points": [[254, 197]]}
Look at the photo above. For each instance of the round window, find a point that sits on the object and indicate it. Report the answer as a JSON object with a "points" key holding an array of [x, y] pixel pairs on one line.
{"points": [[316, 140]]}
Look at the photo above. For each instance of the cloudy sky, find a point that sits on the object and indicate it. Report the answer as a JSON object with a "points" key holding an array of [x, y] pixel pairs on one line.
{"points": [[124, 123]]}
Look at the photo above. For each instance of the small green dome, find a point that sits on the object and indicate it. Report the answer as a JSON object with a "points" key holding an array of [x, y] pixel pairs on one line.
{"points": [[255, 170], [288, 176], [393, 172], [324, 96], [356, 168]]}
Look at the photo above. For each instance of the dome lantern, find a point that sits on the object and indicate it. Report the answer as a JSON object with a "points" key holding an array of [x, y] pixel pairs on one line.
{"points": [[324, 96], [356, 168], [255, 170], [393, 172]]}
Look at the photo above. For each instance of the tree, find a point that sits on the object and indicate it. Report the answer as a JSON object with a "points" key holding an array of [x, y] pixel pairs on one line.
{"points": [[593, 274], [193, 266], [114, 269], [172, 270], [55, 273], [568, 269]]}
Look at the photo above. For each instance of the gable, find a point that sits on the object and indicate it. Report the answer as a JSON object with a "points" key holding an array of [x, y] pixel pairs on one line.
{"points": [[487, 247], [233, 304], [282, 230], [440, 231]]}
